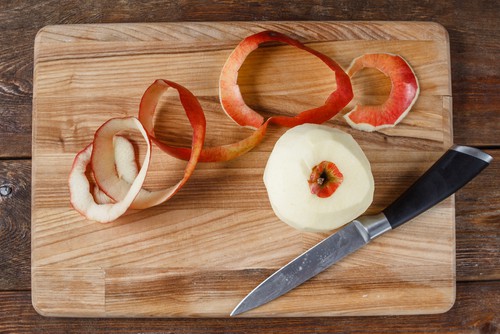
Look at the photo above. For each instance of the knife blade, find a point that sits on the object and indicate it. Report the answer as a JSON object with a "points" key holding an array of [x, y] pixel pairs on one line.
{"points": [[457, 166]]}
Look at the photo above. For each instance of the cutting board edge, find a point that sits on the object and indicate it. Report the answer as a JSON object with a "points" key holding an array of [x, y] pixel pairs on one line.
{"points": [[43, 311], [436, 30], [50, 306]]}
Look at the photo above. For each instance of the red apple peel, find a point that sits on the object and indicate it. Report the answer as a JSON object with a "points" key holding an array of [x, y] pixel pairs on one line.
{"points": [[115, 187], [194, 111], [236, 108], [404, 93]]}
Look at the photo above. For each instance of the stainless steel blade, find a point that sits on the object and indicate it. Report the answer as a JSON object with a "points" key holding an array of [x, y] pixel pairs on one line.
{"points": [[329, 251]]}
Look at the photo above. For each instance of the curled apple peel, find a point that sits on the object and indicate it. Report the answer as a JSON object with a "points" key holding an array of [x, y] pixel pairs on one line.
{"points": [[147, 109], [291, 165], [112, 159], [235, 107], [404, 93], [118, 180], [80, 195], [115, 187]]}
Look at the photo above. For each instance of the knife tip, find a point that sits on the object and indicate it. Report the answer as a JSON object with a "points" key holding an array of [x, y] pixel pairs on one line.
{"points": [[243, 306], [237, 310]]}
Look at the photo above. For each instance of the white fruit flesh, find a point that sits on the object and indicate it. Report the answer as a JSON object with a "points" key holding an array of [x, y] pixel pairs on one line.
{"points": [[125, 164], [82, 199], [289, 168], [79, 186]]}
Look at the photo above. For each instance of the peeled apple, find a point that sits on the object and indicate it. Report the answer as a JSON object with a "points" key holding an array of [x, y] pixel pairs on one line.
{"points": [[318, 178]]}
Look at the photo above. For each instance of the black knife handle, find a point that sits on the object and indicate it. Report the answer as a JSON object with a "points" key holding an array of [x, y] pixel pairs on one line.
{"points": [[452, 171]]}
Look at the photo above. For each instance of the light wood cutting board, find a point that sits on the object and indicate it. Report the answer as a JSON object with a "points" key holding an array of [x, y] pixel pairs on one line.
{"points": [[200, 253]]}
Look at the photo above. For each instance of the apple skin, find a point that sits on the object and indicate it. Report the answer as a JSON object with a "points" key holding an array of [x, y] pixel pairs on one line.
{"points": [[235, 107], [288, 171], [122, 185], [325, 178], [404, 92], [197, 153]]}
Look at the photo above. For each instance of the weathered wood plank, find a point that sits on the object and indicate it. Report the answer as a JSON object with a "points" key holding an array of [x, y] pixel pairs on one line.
{"points": [[476, 311], [15, 194], [478, 225], [16, 72]]}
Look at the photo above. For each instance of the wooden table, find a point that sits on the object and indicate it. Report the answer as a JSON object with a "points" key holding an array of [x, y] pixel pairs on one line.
{"points": [[473, 28]]}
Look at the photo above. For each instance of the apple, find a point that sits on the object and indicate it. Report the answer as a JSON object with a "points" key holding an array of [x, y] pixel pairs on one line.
{"points": [[318, 178]]}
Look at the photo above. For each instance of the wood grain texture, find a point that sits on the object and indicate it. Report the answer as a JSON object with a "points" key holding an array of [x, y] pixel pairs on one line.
{"points": [[472, 27], [477, 217], [201, 252], [478, 225], [16, 72], [15, 224], [468, 315]]}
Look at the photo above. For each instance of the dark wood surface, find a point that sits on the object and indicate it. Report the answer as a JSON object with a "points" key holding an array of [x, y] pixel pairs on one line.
{"points": [[473, 27]]}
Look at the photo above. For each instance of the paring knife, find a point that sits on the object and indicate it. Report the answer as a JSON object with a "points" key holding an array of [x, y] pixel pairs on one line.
{"points": [[452, 171]]}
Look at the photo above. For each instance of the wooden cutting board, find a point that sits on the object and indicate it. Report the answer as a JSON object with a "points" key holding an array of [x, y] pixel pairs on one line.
{"points": [[200, 253]]}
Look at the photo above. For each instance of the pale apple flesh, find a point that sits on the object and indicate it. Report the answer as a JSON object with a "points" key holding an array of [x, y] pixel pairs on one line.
{"points": [[125, 165], [288, 171]]}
